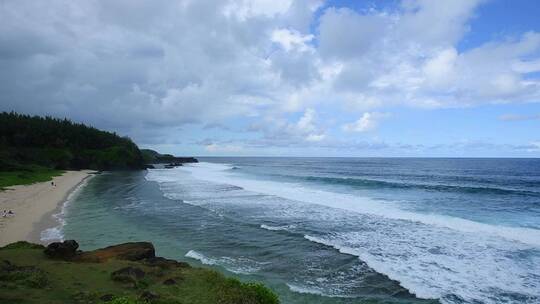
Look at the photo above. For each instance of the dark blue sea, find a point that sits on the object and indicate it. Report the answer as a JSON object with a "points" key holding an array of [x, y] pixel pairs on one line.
{"points": [[333, 230]]}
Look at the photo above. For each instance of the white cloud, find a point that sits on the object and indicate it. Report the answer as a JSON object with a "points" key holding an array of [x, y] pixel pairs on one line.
{"points": [[413, 59], [165, 64], [440, 69], [346, 34], [291, 39], [369, 121], [306, 122], [244, 9], [533, 147], [526, 66], [430, 23], [315, 137], [307, 129]]}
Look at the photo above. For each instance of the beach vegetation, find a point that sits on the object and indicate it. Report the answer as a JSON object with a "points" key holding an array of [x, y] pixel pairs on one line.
{"points": [[27, 174]]}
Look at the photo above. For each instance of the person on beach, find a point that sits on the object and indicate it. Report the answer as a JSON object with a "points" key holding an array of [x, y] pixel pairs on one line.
{"points": [[4, 213]]}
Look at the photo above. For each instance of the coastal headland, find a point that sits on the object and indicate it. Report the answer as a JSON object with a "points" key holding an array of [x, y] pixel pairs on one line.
{"points": [[127, 273]]}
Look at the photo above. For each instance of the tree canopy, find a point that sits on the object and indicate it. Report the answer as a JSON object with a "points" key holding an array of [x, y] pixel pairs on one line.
{"points": [[62, 144]]}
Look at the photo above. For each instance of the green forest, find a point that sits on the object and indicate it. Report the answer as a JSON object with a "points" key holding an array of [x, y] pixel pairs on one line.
{"points": [[42, 146]]}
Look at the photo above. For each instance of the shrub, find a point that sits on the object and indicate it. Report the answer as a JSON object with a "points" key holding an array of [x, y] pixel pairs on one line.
{"points": [[23, 245], [123, 300], [262, 294]]}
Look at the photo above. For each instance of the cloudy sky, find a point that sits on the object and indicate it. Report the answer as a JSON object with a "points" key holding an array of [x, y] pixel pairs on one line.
{"points": [[283, 77]]}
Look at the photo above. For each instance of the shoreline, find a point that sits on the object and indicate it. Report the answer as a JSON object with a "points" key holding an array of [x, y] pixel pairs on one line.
{"points": [[49, 219], [34, 206]]}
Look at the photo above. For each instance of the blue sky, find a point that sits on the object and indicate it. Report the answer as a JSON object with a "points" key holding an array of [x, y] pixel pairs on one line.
{"points": [[283, 78]]}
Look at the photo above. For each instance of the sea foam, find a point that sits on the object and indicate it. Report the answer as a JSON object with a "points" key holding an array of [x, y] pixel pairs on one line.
{"points": [[433, 256], [218, 173], [240, 265], [57, 233], [278, 228]]}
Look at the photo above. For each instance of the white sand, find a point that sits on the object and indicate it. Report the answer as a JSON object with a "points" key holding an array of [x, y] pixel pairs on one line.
{"points": [[33, 205]]}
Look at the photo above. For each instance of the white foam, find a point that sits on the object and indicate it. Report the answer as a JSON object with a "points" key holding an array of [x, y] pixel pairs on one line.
{"points": [[201, 257], [57, 233], [278, 228], [240, 265], [52, 234], [305, 289], [433, 256], [218, 173], [474, 269], [313, 290]]}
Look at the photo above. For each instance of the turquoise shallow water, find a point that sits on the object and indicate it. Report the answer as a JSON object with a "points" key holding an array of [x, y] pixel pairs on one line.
{"points": [[334, 230]]}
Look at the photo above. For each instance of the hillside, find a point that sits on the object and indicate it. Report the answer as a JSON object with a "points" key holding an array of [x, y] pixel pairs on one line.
{"points": [[122, 274], [34, 149], [61, 144]]}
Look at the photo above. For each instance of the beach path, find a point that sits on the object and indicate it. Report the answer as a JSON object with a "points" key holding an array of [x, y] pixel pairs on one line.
{"points": [[31, 204]]}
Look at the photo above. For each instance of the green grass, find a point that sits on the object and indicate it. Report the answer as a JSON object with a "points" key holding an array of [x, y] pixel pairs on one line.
{"points": [[38, 279], [29, 175]]}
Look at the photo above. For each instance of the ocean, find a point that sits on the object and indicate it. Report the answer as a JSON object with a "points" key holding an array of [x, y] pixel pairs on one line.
{"points": [[332, 230]]}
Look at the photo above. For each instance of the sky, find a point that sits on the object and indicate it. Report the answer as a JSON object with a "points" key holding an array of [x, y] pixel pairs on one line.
{"points": [[410, 78]]}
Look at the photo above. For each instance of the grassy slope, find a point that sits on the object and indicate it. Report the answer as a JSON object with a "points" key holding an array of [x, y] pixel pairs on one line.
{"points": [[69, 282], [31, 174]]}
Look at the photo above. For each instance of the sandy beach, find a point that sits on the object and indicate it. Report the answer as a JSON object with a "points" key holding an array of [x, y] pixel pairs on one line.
{"points": [[33, 206]]}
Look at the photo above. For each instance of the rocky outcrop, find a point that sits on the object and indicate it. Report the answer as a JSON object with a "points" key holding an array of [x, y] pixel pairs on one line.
{"points": [[128, 275], [135, 251], [107, 297], [65, 250], [169, 282], [172, 165], [153, 157], [148, 296], [164, 263]]}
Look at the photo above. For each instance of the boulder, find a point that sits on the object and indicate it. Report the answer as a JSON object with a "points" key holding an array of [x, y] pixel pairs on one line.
{"points": [[107, 297], [148, 296], [65, 250], [128, 275], [136, 251], [164, 263], [169, 282], [6, 266]]}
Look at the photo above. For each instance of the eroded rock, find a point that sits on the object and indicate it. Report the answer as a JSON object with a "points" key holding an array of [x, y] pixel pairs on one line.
{"points": [[106, 297], [169, 282], [148, 296], [65, 250], [164, 263], [128, 275], [135, 251]]}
